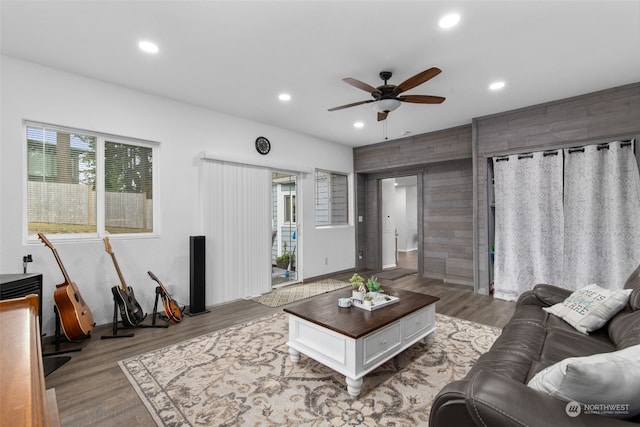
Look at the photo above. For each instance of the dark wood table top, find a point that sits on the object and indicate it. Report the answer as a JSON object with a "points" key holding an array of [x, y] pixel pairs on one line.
{"points": [[356, 322]]}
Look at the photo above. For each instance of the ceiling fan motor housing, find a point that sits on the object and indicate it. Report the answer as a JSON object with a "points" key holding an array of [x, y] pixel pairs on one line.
{"points": [[385, 75]]}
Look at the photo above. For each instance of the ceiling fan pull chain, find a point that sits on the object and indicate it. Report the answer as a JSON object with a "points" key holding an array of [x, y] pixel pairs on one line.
{"points": [[384, 129]]}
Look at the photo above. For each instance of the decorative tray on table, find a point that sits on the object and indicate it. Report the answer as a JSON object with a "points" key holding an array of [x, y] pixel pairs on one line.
{"points": [[388, 300]]}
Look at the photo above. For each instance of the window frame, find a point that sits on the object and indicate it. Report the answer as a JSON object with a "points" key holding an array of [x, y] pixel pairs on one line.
{"points": [[101, 139], [348, 205]]}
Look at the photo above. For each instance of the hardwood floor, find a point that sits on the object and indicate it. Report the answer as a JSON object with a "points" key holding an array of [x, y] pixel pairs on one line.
{"points": [[92, 390], [408, 260]]}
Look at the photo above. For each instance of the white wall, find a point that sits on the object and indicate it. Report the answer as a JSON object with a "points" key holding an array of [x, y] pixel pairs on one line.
{"points": [[411, 225], [388, 223], [407, 217], [37, 93], [401, 218]]}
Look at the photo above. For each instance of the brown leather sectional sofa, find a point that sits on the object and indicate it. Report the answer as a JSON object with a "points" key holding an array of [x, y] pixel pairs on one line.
{"points": [[495, 392]]}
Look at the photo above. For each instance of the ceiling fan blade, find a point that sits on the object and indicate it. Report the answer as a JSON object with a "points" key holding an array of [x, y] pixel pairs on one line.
{"points": [[351, 105], [361, 85], [422, 99], [416, 80], [382, 116]]}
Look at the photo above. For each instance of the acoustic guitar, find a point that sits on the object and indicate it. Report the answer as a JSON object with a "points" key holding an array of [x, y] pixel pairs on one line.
{"points": [[174, 313], [131, 312], [75, 317]]}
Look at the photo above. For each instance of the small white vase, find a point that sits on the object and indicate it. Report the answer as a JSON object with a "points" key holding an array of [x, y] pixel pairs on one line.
{"points": [[368, 303], [357, 295]]}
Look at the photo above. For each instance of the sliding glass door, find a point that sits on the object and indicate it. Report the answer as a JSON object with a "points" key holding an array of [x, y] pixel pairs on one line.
{"points": [[284, 234]]}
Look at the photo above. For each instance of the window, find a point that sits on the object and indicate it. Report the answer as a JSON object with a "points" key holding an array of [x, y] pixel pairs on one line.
{"points": [[289, 208], [82, 182], [332, 201]]}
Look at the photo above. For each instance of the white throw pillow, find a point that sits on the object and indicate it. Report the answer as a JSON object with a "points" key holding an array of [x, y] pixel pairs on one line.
{"points": [[589, 308], [602, 379]]}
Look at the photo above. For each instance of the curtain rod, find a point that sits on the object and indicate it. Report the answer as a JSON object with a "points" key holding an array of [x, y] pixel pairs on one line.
{"points": [[601, 146], [216, 157]]}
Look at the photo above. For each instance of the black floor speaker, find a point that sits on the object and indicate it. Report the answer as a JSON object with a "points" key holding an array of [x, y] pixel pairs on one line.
{"points": [[196, 274]]}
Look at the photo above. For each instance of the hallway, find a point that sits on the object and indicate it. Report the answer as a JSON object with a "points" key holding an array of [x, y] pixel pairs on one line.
{"points": [[408, 259]]}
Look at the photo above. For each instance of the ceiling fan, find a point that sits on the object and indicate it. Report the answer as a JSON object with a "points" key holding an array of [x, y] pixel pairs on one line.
{"points": [[386, 97]]}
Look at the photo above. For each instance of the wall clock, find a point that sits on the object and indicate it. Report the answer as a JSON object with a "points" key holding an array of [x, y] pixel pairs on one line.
{"points": [[263, 145]]}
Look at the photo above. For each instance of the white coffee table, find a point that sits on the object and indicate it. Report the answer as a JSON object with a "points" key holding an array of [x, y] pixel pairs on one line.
{"points": [[353, 341]]}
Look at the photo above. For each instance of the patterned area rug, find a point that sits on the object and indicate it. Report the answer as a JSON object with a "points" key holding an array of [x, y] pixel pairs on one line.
{"points": [[243, 376], [288, 294]]}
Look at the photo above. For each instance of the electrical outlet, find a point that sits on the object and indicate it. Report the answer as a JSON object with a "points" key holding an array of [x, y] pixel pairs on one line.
{"points": [[326, 261]]}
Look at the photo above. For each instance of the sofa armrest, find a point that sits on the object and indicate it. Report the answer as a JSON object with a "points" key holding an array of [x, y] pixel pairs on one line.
{"points": [[494, 400], [544, 295]]}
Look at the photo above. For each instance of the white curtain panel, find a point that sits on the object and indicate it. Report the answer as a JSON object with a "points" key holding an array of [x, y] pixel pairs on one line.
{"points": [[528, 222], [602, 215], [235, 217]]}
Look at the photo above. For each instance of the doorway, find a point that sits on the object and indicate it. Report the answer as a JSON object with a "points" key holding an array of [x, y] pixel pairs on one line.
{"points": [[399, 222], [284, 233]]}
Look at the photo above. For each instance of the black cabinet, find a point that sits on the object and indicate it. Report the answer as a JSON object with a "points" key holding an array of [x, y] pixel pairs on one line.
{"points": [[20, 285]]}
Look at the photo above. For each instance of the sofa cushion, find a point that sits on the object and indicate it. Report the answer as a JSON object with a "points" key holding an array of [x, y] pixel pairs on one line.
{"points": [[563, 343], [512, 352], [624, 328], [589, 308], [633, 283], [606, 378]]}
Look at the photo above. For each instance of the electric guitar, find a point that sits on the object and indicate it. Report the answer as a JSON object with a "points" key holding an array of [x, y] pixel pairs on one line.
{"points": [[75, 317], [130, 311], [174, 313]]}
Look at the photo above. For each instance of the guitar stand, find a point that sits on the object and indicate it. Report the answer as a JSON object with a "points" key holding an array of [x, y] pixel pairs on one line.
{"points": [[156, 314], [115, 327], [49, 362]]}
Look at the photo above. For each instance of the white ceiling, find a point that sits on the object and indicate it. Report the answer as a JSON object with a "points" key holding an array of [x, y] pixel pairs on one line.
{"points": [[237, 56]]}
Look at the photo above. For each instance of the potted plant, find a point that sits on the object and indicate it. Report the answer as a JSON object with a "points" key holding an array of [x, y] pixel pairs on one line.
{"points": [[373, 285], [283, 260], [368, 301], [287, 260], [357, 281]]}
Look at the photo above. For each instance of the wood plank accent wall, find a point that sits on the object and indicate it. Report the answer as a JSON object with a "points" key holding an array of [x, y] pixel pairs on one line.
{"points": [[448, 221], [444, 145], [596, 117], [442, 161]]}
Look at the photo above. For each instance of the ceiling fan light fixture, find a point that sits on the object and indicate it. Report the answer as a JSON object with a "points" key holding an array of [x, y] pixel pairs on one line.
{"points": [[385, 105]]}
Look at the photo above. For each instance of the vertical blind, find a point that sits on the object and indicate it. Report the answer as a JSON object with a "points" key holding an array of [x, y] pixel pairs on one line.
{"points": [[235, 216]]}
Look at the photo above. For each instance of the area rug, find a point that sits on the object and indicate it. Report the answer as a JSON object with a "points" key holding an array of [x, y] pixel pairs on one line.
{"points": [[395, 273], [242, 376], [289, 294]]}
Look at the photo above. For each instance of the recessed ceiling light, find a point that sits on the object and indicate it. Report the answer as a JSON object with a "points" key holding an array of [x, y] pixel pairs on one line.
{"points": [[284, 97], [449, 21], [358, 125], [148, 46], [496, 85]]}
